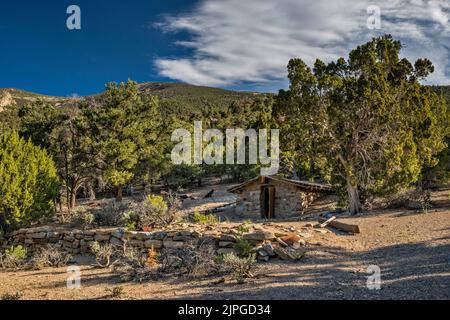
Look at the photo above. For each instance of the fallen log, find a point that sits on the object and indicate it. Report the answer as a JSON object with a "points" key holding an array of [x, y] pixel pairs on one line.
{"points": [[325, 223], [350, 228]]}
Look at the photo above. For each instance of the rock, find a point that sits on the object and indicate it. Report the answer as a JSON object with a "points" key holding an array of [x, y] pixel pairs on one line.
{"points": [[136, 243], [159, 235], [225, 251], [39, 235], [294, 241], [119, 234], [265, 259], [259, 235], [143, 235], [322, 231], [309, 225], [185, 233], [226, 244], [228, 238], [156, 244], [102, 237], [268, 247], [170, 244], [183, 238], [69, 238], [262, 253], [289, 254], [115, 241], [284, 244]]}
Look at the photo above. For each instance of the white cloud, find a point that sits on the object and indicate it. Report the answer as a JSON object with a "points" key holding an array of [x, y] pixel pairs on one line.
{"points": [[235, 41]]}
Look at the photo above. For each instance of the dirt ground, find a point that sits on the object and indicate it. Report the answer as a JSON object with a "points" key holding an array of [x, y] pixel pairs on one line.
{"points": [[411, 248]]}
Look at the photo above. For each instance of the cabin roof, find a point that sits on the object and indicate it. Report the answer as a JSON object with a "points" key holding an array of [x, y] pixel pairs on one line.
{"points": [[304, 185]]}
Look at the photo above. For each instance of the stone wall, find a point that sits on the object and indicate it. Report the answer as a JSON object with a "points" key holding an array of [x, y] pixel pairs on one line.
{"points": [[77, 241]]}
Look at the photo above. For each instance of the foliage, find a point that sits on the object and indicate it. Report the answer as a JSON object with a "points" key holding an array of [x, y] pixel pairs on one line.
{"points": [[82, 217], [50, 256], [115, 292], [240, 268], [111, 214], [123, 130], [28, 182], [243, 247], [103, 253], [152, 212], [133, 265], [13, 258], [11, 296], [244, 227], [366, 123], [205, 218], [190, 261]]}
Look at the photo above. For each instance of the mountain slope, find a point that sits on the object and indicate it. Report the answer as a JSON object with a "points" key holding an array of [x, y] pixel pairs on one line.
{"points": [[174, 97]]}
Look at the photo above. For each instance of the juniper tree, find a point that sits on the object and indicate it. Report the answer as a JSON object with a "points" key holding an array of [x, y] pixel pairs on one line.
{"points": [[366, 122], [123, 131], [28, 182]]}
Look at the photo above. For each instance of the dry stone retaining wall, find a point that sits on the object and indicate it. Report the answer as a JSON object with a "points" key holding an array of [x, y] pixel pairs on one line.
{"points": [[79, 241]]}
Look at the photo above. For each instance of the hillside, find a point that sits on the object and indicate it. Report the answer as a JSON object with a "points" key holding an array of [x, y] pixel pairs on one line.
{"points": [[173, 97], [18, 97]]}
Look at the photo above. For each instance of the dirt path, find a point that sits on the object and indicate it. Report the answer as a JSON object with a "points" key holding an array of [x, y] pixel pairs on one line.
{"points": [[411, 249]]}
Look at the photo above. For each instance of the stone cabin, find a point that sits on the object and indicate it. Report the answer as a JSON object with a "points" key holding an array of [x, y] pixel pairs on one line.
{"points": [[274, 197]]}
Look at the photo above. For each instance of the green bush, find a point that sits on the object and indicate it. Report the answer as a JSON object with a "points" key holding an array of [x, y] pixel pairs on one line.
{"points": [[240, 268], [242, 247], [13, 258], [205, 218], [152, 212], [244, 227], [28, 182]]}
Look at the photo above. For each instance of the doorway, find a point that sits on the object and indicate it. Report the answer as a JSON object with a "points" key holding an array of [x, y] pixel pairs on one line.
{"points": [[268, 202]]}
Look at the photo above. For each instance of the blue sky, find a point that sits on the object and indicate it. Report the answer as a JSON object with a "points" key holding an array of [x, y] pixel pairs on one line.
{"points": [[236, 44]]}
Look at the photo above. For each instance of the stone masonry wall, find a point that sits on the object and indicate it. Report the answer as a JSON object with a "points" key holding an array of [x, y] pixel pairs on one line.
{"points": [[77, 241]]}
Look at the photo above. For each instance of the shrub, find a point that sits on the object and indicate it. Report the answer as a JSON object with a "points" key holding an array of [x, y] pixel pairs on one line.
{"points": [[111, 214], [133, 265], [103, 253], [244, 227], [242, 247], [50, 256], [11, 296], [81, 217], [152, 212], [190, 261], [239, 267], [13, 258], [28, 182], [115, 292], [205, 218]]}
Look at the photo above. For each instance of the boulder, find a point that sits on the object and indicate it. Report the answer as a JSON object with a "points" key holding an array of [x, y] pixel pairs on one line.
{"points": [[156, 244], [268, 247], [226, 244], [170, 244], [260, 235]]}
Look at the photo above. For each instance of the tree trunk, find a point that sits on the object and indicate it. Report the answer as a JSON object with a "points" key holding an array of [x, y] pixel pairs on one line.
{"points": [[73, 200], [119, 195], [354, 203]]}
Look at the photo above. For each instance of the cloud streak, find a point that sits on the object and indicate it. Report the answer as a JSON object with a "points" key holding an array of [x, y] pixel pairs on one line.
{"points": [[234, 41]]}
